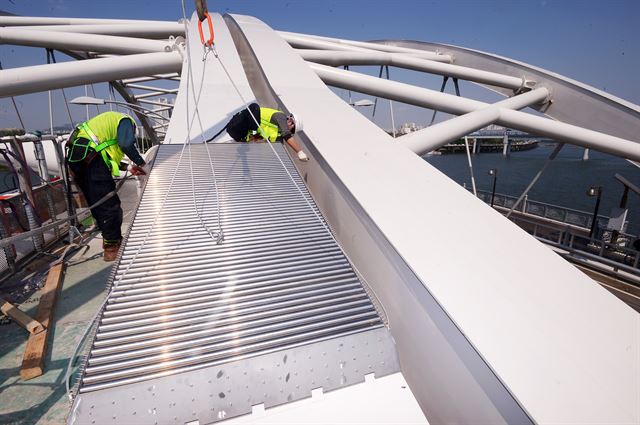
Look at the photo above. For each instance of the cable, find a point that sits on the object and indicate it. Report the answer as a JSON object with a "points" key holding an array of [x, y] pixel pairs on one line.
{"points": [[220, 236]]}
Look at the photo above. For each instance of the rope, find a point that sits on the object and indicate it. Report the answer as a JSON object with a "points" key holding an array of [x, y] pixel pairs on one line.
{"points": [[220, 236]]}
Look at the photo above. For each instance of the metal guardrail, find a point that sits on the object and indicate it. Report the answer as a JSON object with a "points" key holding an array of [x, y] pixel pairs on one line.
{"points": [[599, 248], [615, 255], [543, 210]]}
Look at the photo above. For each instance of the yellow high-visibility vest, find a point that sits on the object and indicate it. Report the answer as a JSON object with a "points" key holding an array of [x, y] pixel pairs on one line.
{"points": [[102, 132], [269, 131]]}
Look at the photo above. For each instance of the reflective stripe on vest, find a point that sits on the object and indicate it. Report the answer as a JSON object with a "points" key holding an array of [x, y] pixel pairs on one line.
{"points": [[267, 130], [102, 130]]}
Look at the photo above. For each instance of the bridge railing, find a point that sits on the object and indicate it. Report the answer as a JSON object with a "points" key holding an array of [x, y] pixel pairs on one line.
{"points": [[560, 231], [602, 250], [544, 210]]}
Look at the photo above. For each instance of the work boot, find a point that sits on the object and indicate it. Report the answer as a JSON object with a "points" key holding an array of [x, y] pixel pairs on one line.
{"points": [[110, 251]]}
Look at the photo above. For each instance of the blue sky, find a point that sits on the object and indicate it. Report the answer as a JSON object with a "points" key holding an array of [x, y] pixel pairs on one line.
{"points": [[595, 42]]}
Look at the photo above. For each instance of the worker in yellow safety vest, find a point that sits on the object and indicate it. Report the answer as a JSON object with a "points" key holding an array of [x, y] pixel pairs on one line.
{"points": [[94, 152], [274, 126]]}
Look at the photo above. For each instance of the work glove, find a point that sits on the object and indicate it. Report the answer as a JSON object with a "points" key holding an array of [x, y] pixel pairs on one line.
{"points": [[302, 156], [137, 170]]}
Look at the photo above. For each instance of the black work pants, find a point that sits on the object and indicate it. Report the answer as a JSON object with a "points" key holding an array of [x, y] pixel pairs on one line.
{"points": [[242, 122], [95, 181]]}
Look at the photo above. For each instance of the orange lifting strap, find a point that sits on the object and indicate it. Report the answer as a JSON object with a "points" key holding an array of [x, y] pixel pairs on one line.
{"points": [[210, 41]]}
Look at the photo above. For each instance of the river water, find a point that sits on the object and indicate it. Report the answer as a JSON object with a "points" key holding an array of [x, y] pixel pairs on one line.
{"points": [[564, 182]]}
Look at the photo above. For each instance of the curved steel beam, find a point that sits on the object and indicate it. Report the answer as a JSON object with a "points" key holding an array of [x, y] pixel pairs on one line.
{"points": [[419, 96], [573, 102]]}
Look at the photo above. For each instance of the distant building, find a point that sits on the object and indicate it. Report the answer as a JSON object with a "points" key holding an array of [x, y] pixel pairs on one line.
{"points": [[408, 127]]}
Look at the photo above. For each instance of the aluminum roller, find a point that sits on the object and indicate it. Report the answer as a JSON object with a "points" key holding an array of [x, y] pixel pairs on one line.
{"points": [[308, 222], [302, 292], [94, 374], [162, 263], [134, 330], [201, 241], [225, 336], [189, 266], [239, 252], [302, 265], [196, 246], [230, 212], [137, 324], [178, 283], [230, 294], [178, 332], [325, 274], [251, 304], [232, 355], [238, 297], [303, 223], [181, 301]]}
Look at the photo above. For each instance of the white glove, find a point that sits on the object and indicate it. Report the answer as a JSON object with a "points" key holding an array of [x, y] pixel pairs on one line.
{"points": [[302, 156]]}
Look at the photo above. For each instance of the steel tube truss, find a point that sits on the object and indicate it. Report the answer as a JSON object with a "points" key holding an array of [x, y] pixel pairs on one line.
{"points": [[88, 42], [325, 43], [161, 30], [10, 21], [445, 102], [32, 79], [438, 135], [340, 58]]}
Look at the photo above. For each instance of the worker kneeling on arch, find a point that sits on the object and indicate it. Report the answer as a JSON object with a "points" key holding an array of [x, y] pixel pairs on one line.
{"points": [[274, 126]]}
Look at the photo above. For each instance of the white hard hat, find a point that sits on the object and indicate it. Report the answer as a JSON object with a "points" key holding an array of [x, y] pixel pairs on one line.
{"points": [[297, 120]]}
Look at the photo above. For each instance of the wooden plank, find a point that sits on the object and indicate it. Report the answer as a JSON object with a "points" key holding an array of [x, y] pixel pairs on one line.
{"points": [[20, 317], [34, 354]]}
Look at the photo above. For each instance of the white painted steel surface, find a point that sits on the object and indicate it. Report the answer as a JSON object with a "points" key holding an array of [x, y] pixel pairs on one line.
{"points": [[159, 30], [449, 103], [340, 58], [86, 42], [578, 103], [326, 43], [562, 360], [17, 81], [437, 135], [218, 99], [381, 401], [33, 20]]}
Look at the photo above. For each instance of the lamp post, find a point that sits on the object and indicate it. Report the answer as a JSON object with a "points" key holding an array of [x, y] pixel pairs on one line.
{"points": [[88, 100], [493, 172], [594, 191]]}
